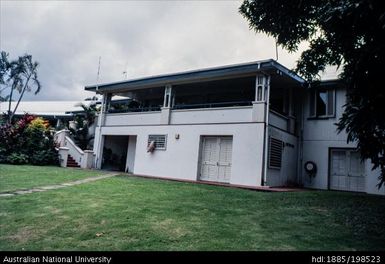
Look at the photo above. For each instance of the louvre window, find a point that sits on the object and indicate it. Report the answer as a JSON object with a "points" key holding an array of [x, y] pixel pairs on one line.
{"points": [[275, 153], [159, 140]]}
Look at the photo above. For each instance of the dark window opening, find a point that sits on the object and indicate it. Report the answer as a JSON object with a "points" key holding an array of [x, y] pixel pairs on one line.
{"points": [[279, 101], [322, 103], [138, 101], [220, 93]]}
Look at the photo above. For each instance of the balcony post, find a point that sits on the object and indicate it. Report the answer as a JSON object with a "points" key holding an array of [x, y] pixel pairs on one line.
{"points": [[166, 109], [291, 114], [261, 94]]}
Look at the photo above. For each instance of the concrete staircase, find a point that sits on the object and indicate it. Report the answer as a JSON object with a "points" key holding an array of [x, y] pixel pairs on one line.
{"points": [[70, 155], [72, 163]]}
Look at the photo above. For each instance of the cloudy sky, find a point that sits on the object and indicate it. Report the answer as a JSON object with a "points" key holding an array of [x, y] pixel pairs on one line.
{"points": [[141, 37]]}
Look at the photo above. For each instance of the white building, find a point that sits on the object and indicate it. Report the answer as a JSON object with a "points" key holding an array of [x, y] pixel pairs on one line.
{"points": [[253, 124]]}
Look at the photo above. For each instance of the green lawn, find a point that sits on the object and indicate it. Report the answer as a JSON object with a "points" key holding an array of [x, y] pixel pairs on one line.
{"points": [[24, 176], [130, 213]]}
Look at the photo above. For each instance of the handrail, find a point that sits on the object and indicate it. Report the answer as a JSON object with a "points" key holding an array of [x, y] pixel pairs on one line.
{"points": [[135, 109], [212, 105], [182, 106], [69, 140], [59, 137]]}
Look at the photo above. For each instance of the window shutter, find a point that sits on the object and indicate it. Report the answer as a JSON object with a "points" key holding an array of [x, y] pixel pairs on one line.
{"points": [[330, 110]]}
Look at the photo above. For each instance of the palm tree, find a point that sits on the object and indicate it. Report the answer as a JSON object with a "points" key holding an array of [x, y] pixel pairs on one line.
{"points": [[26, 76], [20, 75], [83, 121]]}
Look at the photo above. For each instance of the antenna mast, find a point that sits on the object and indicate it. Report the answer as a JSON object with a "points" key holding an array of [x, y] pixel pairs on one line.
{"points": [[97, 77], [125, 72], [276, 50]]}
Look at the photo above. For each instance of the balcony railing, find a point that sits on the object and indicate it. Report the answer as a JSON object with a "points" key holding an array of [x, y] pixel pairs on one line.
{"points": [[135, 109], [180, 106], [212, 105]]}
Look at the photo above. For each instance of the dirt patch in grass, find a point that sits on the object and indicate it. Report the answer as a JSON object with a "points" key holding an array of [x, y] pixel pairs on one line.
{"points": [[170, 228], [25, 234]]}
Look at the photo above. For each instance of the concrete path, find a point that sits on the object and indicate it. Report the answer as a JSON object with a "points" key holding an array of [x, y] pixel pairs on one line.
{"points": [[56, 186]]}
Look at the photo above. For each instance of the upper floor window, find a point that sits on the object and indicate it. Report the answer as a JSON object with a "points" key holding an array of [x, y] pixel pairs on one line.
{"points": [[322, 103]]}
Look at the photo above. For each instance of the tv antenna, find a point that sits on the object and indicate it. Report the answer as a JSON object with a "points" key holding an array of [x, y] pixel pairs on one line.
{"points": [[98, 74], [125, 72]]}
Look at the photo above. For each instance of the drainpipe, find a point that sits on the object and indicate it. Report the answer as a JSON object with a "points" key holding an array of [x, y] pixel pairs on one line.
{"points": [[300, 143], [266, 142]]}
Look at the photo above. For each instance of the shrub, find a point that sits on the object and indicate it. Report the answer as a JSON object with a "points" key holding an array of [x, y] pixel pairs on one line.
{"points": [[17, 158], [28, 140]]}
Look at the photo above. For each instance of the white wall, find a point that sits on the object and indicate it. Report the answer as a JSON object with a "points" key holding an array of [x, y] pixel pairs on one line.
{"points": [[131, 154], [129, 119], [288, 172], [215, 115], [319, 136], [180, 159]]}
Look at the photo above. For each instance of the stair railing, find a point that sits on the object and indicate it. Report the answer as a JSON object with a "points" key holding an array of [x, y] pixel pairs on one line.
{"points": [[68, 147]]}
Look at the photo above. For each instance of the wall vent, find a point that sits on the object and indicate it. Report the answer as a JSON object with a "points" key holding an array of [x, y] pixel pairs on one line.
{"points": [[160, 141], [275, 153]]}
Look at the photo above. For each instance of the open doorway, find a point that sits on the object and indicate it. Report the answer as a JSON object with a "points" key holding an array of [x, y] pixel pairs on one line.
{"points": [[115, 153]]}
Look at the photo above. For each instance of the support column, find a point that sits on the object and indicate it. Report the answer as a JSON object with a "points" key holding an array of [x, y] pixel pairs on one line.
{"points": [[98, 142], [266, 85], [88, 159], [259, 105], [166, 109], [291, 115]]}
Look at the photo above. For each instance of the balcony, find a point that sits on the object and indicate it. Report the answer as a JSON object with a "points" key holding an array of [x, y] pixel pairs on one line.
{"points": [[218, 115], [133, 118], [214, 113]]}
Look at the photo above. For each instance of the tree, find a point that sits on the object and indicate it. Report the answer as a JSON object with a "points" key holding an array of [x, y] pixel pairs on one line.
{"points": [[83, 121], [20, 75], [349, 34]]}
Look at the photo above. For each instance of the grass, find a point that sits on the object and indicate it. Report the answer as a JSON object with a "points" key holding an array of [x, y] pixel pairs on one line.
{"points": [[131, 213], [25, 176]]}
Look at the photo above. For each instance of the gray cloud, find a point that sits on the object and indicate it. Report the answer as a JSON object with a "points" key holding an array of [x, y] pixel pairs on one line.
{"points": [[144, 38]]}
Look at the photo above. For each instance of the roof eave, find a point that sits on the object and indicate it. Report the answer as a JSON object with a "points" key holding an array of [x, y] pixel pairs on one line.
{"points": [[195, 76]]}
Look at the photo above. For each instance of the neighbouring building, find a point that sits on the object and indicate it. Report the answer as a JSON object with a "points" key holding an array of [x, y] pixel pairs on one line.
{"points": [[253, 124], [58, 113]]}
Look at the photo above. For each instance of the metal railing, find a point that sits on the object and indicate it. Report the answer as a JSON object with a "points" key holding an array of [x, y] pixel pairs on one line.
{"points": [[135, 109], [181, 106], [212, 105]]}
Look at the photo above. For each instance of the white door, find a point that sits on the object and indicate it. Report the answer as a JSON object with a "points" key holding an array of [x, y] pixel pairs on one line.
{"points": [[216, 159], [347, 171]]}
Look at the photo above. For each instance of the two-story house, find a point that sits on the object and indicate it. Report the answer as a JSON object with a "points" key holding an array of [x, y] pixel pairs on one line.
{"points": [[253, 124]]}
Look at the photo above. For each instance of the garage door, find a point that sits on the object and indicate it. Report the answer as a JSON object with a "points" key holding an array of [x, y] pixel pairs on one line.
{"points": [[347, 171], [216, 159]]}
